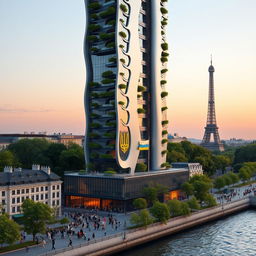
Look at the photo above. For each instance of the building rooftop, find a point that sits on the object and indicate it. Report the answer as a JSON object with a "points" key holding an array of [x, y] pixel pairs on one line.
{"points": [[127, 175], [26, 176]]}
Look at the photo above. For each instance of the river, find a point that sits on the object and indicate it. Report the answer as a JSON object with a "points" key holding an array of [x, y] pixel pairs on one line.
{"points": [[232, 236]]}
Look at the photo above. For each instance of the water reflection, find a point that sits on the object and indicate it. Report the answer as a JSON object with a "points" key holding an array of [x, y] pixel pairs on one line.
{"points": [[233, 236]]}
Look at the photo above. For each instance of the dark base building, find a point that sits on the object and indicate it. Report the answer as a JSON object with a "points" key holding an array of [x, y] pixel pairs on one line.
{"points": [[117, 192]]}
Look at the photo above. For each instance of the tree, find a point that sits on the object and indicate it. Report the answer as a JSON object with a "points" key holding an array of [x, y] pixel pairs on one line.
{"points": [[7, 159], [175, 156], [150, 194], [35, 217], [221, 161], [219, 183], [10, 230], [30, 151], [245, 154], [72, 158], [202, 184], [143, 218], [64, 220], [234, 177], [209, 200], [140, 203], [227, 179], [187, 188], [244, 173], [185, 210], [174, 207], [160, 212], [193, 203], [53, 152]]}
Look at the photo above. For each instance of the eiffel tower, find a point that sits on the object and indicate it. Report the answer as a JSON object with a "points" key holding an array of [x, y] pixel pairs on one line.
{"points": [[211, 125]]}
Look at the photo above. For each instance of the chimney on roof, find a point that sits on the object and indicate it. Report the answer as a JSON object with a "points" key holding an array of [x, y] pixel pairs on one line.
{"points": [[35, 167], [18, 169], [46, 169], [8, 169]]}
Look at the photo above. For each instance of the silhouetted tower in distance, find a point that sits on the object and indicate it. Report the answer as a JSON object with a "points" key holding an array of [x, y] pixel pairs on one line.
{"points": [[211, 125]]}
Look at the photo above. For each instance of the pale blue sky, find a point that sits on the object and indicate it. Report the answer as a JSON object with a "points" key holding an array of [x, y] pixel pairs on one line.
{"points": [[42, 66]]}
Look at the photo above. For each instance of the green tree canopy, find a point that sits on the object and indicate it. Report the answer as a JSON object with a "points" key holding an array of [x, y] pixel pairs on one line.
{"points": [[245, 154], [143, 218], [193, 203], [35, 216], [219, 182], [10, 230], [160, 211], [150, 194], [140, 203], [7, 158]]}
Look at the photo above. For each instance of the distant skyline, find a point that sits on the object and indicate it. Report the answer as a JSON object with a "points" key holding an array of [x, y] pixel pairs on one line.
{"points": [[42, 71]]}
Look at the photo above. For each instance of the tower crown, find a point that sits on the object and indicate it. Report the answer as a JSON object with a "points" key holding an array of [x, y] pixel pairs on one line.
{"points": [[211, 68]]}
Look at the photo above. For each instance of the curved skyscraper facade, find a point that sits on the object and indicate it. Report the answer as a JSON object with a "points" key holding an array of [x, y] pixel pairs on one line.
{"points": [[126, 55]]}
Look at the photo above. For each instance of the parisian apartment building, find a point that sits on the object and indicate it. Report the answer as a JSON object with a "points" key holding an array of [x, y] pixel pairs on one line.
{"points": [[38, 184]]}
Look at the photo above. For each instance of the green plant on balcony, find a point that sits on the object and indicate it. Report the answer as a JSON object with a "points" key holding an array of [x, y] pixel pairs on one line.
{"points": [[121, 46], [95, 125], [164, 59], [164, 141], [141, 88], [121, 20], [94, 155], [164, 1], [164, 46], [108, 81], [94, 27], [164, 94], [164, 152], [111, 45], [95, 105], [94, 49], [165, 54], [111, 22], [106, 156], [112, 113], [164, 108], [107, 74], [164, 122], [111, 124], [93, 115], [141, 167], [93, 84], [92, 38], [110, 172], [122, 34], [107, 36], [108, 94], [110, 135], [139, 96], [121, 74], [112, 103], [112, 59], [163, 82], [162, 33], [94, 16], [164, 70], [94, 135], [164, 23], [163, 10], [94, 6], [166, 164], [110, 11], [94, 94], [123, 8], [164, 132], [122, 86], [94, 145], [141, 111], [121, 103], [122, 60]]}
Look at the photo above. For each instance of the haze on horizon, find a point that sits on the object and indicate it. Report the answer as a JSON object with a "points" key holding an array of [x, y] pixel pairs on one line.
{"points": [[42, 69]]}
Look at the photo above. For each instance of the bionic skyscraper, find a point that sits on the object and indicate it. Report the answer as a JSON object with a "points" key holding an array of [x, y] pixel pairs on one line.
{"points": [[126, 55]]}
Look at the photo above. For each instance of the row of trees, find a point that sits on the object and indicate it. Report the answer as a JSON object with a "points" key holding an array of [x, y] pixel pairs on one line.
{"points": [[246, 172], [35, 218], [188, 152], [197, 188], [59, 157]]}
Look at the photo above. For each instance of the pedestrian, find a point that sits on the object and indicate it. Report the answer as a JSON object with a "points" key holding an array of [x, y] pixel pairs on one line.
{"points": [[70, 242], [93, 235], [43, 243], [53, 244]]}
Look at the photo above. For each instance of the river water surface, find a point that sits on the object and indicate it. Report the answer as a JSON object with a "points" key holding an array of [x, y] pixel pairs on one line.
{"points": [[232, 236]]}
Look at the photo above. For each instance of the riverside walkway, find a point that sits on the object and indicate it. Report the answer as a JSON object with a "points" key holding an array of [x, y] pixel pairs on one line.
{"points": [[121, 237]]}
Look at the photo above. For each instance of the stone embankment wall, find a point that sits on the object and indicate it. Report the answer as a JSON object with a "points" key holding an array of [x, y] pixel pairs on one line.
{"points": [[155, 231]]}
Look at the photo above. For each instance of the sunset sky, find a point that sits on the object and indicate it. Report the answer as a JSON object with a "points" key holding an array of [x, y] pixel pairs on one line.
{"points": [[42, 69]]}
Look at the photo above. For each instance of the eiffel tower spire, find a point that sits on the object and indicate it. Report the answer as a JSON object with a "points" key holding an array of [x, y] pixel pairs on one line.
{"points": [[211, 125]]}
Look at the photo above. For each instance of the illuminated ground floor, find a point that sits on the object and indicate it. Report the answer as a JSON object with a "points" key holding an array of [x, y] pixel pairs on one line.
{"points": [[117, 192]]}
